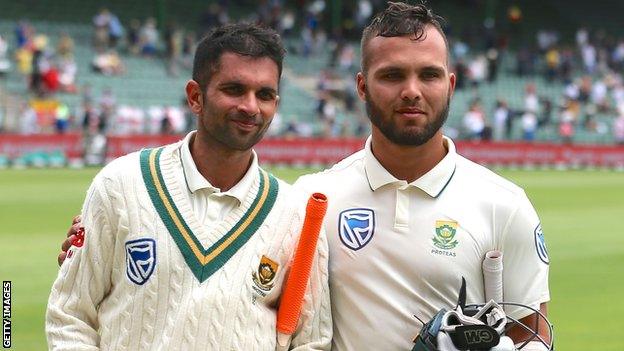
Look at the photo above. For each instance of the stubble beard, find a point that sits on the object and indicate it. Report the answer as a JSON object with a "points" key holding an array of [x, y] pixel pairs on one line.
{"points": [[404, 137], [226, 134]]}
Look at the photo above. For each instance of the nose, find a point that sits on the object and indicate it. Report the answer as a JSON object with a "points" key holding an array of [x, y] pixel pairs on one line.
{"points": [[411, 90], [249, 104]]}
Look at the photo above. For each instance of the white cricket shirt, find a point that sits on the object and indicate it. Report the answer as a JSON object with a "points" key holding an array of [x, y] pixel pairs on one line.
{"points": [[209, 203], [400, 249]]}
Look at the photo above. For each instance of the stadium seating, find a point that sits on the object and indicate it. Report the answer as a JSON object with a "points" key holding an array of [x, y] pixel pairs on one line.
{"points": [[146, 83]]}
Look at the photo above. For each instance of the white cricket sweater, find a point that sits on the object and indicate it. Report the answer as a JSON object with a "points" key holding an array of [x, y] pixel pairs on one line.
{"points": [[130, 287]]}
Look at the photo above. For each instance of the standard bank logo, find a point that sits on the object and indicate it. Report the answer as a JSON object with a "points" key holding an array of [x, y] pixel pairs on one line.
{"points": [[356, 227], [140, 260], [540, 244]]}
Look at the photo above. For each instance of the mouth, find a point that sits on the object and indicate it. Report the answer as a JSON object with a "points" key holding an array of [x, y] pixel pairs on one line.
{"points": [[411, 112], [245, 124]]}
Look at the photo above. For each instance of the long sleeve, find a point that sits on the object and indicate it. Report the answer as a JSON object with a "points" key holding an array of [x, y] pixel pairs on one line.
{"points": [[84, 279]]}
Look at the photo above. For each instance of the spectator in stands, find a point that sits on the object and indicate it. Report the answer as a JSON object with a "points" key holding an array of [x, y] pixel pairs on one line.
{"points": [[67, 74], [585, 87], [5, 63], [115, 31], [27, 119], [173, 42], [566, 65], [133, 36], [617, 56], [363, 13], [501, 115], [599, 96], [40, 64], [492, 57], [346, 58], [50, 79], [618, 94], [101, 30], [188, 49], [214, 15], [108, 105], [149, 38], [566, 125], [90, 119], [618, 129], [23, 59], [65, 46], [24, 34], [287, 24], [478, 70], [474, 121], [108, 63], [553, 62], [461, 73], [546, 114], [62, 118], [529, 126], [590, 58], [531, 101], [525, 61], [166, 125]]}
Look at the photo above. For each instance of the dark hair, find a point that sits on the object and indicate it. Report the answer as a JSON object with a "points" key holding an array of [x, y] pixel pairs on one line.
{"points": [[240, 38], [400, 19]]}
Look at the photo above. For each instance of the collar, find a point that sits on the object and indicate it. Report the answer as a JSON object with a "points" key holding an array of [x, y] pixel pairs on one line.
{"points": [[195, 181], [432, 182]]}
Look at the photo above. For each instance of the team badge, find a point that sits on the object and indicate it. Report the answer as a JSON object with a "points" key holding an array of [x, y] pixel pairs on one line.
{"points": [[356, 227], [445, 235], [540, 244], [264, 276], [140, 260]]}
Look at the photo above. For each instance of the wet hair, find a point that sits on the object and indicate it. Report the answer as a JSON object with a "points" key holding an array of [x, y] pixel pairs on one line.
{"points": [[239, 38], [397, 20]]}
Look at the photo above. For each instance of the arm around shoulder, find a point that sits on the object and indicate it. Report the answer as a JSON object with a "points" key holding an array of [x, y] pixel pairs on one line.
{"points": [[84, 279]]}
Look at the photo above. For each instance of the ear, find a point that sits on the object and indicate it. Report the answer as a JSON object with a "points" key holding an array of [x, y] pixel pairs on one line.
{"points": [[194, 97], [452, 80], [277, 102], [360, 83]]}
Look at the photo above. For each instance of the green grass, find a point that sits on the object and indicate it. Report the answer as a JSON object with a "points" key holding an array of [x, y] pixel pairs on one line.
{"points": [[580, 212]]}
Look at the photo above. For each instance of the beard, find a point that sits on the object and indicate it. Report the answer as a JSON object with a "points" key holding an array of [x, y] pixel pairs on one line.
{"points": [[404, 137], [224, 133]]}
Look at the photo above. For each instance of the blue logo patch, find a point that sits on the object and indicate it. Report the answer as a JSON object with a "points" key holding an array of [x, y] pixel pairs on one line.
{"points": [[540, 244], [140, 260], [356, 227]]}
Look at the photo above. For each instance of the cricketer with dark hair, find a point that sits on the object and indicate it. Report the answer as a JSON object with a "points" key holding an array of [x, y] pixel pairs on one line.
{"points": [[187, 245], [408, 217]]}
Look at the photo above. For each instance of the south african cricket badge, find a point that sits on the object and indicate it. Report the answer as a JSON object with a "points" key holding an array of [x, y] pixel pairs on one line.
{"points": [[264, 276], [444, 238]]}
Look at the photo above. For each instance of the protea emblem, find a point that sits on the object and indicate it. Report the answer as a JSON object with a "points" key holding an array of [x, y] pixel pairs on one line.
{"points": [[265, 274], [445, 235]]}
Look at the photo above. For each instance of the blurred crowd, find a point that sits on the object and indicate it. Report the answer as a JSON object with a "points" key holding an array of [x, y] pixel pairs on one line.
{"points": [[567, 85], [582, 87]]}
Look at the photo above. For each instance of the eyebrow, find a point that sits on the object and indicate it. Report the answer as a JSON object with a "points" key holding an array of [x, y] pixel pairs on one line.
{"points": [[439, 69], [429, 68], [389, 69], [268, 90], [240, 84]]}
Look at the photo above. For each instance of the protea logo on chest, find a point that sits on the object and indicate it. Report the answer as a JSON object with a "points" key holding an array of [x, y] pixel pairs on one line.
{"points": [[444, 238], [264, 276]]}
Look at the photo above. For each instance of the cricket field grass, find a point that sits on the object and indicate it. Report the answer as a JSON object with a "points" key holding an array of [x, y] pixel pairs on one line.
{"points": [[579, 210]]}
